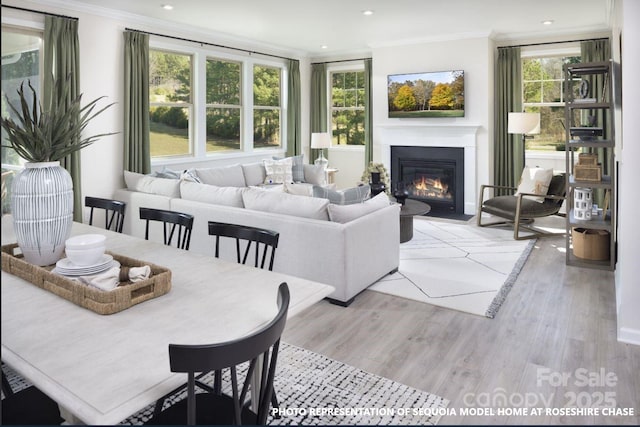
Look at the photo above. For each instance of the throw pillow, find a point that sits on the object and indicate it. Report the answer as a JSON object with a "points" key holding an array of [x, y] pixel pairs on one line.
{"points": [[254, 173], [299, 188], [343, 197], [152, 185], [315, 174], [226, 196], [346, 213], [228, 176], [536, 181], [190, 175], [297, 167], [283, 203], [166, 173], [278, 171]]}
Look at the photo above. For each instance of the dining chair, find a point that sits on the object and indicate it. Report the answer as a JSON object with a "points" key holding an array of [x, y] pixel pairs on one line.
{"points": [[170, 221], [259, 348], [29, 406], [113, 215], [248, 235]]}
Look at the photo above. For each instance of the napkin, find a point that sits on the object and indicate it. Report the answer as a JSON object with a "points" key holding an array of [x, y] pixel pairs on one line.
{"points": [[109, 280]]}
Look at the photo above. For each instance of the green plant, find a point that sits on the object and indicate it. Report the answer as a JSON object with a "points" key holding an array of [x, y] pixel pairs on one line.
{"points": [[39, 135]]}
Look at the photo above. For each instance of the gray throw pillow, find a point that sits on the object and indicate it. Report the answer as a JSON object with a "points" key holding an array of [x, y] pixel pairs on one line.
{"points": [[167, 173], [343, 197], [297, 167]]}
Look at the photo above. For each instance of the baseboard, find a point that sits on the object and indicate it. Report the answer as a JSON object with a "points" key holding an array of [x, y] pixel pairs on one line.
{"points": [[629, 336]]}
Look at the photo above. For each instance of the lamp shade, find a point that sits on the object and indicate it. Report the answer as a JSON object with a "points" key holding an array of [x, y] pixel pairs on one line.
{"points": [[320, 140], [524, 123]]}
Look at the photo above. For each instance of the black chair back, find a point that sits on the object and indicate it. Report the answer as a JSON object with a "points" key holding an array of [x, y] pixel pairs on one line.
{"points": [[113, 215], [171, 221], [261, 346], [249, 235]]}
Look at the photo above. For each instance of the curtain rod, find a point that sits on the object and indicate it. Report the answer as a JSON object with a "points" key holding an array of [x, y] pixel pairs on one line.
{"points": [[558, 42], [250, 52], [340, 60], [40, 12]]}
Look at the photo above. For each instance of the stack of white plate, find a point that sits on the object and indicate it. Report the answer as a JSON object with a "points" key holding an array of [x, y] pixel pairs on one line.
{"points": [[67, 268]]}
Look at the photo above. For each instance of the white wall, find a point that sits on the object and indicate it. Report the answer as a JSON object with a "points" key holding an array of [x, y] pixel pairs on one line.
{"points": [[628, 268]]}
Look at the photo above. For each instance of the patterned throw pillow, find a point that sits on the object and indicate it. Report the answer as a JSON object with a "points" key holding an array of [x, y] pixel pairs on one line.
{"points": [[343, 197], [297, 167], [536, 181], [278, 171]]}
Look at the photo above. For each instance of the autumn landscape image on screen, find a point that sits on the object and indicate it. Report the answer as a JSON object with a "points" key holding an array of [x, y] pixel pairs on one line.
{"points": [[431, 94]]}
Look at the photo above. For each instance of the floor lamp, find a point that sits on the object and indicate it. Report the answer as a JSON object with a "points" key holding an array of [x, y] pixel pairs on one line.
{"points": [[525, 124]]}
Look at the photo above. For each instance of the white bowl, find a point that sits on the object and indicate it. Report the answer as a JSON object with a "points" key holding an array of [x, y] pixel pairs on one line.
{"points": [[85, 241], [85, 257]]}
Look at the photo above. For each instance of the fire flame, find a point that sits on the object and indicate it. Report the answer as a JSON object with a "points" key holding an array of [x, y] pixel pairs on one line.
{"points": [[428, 187]]}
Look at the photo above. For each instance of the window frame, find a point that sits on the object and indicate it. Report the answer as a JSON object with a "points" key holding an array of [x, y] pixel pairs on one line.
{"points": [[342, 68], [200, 56]]}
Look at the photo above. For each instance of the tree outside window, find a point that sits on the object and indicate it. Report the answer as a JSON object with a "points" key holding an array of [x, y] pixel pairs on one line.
{"points": [[347, 108], [267, 83], [224, 105], [170, 103], [542, 87]]}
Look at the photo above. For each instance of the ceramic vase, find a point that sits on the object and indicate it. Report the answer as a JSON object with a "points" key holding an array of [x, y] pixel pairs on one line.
{"points": [[42, 209]]}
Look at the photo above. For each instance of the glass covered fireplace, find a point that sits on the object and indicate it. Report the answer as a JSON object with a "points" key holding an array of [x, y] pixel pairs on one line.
{"points": [[434, 175]]}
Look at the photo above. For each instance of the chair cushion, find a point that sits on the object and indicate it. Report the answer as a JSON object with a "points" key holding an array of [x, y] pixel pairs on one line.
{"points": [[505, 207], [536, 181]]}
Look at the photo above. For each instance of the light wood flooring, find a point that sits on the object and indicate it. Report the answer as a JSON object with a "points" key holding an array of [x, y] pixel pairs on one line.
{"points": [[555, 320]]}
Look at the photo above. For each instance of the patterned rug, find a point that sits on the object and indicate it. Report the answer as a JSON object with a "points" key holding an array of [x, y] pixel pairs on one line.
{"points": [[457, 265], [315, 390]]}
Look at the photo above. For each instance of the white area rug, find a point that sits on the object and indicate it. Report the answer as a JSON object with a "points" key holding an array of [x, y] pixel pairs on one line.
{"points": [[457, 265]]}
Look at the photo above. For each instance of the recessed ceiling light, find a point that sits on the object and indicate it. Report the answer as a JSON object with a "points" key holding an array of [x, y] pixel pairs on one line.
{"points": [[324, 46], [547, 22], [167, 7], [367, 12]]}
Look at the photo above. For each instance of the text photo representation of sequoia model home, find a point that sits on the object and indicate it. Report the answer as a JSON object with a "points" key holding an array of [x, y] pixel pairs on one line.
{"points": [[300, 212]]}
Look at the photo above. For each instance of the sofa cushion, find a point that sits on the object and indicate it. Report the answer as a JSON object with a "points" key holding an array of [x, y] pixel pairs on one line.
{"points": [[297, 167], [254, 173], [346, 213], [536, 181], [315, 174], [228, 176], [227, 196], [283, 203], [343, 197], [278, 171], [152, 185]]}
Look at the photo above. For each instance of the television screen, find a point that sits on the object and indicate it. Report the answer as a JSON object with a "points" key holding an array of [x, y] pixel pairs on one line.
{"points": [[431, 94]]}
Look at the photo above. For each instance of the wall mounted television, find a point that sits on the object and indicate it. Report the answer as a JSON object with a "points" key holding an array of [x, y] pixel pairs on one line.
{"points": [[429, 94]]}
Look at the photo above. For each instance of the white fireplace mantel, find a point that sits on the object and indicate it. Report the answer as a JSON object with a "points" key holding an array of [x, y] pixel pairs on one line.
{"points": [[437, 135]]}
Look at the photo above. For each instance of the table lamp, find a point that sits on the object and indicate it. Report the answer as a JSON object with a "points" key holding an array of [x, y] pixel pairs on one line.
{"points": [[319, 141], [525, 124]]}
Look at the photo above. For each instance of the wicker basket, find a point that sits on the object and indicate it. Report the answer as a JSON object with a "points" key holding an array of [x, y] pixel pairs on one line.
{"points": [[592, 173], [126, 295], [588, 159]]}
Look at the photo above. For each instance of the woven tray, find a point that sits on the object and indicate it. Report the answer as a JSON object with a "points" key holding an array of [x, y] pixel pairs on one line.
{"points": [[126, 295]]}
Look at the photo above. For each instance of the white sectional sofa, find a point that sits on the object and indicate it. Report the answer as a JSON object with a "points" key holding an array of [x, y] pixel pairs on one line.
{"points": [[348, 247]]}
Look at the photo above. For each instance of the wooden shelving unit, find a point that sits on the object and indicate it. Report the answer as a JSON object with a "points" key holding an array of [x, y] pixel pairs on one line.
{"points": [[580, 103]]}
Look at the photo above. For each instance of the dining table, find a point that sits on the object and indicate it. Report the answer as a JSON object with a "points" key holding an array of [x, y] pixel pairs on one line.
{"points": [[103, 368]]}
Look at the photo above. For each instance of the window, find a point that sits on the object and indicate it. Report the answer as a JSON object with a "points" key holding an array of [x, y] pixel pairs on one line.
{"points": [[266, 106], [542, 88], [170, 105], [347, 108], [21, 63], [224, 105], [208, 103]]}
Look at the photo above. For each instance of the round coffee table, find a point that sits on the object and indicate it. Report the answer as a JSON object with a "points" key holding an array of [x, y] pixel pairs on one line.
{"points": [[407, 212]]}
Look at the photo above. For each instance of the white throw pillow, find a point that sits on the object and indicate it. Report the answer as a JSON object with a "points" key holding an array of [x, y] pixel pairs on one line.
{"points": [[226, 196], [299, 188], [346, 213], [315, 174], [254, 173], [228, 176], [283, 203], [152, 185], [536, 181], [278, 171], [297, 167]]}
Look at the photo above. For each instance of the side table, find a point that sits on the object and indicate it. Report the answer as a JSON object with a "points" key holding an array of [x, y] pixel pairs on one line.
{"points": [[410, 209]]}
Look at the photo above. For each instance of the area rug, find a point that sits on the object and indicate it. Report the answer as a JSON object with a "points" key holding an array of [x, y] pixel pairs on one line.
{"points": [[315, 390], [457, 265]]}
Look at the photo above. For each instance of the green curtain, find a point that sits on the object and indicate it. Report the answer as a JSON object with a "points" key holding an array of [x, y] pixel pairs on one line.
{"points": [[294, 146], [598, 51], [137, 152], [508, 148], [368, 113], [61, 60], [318, 118]]}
